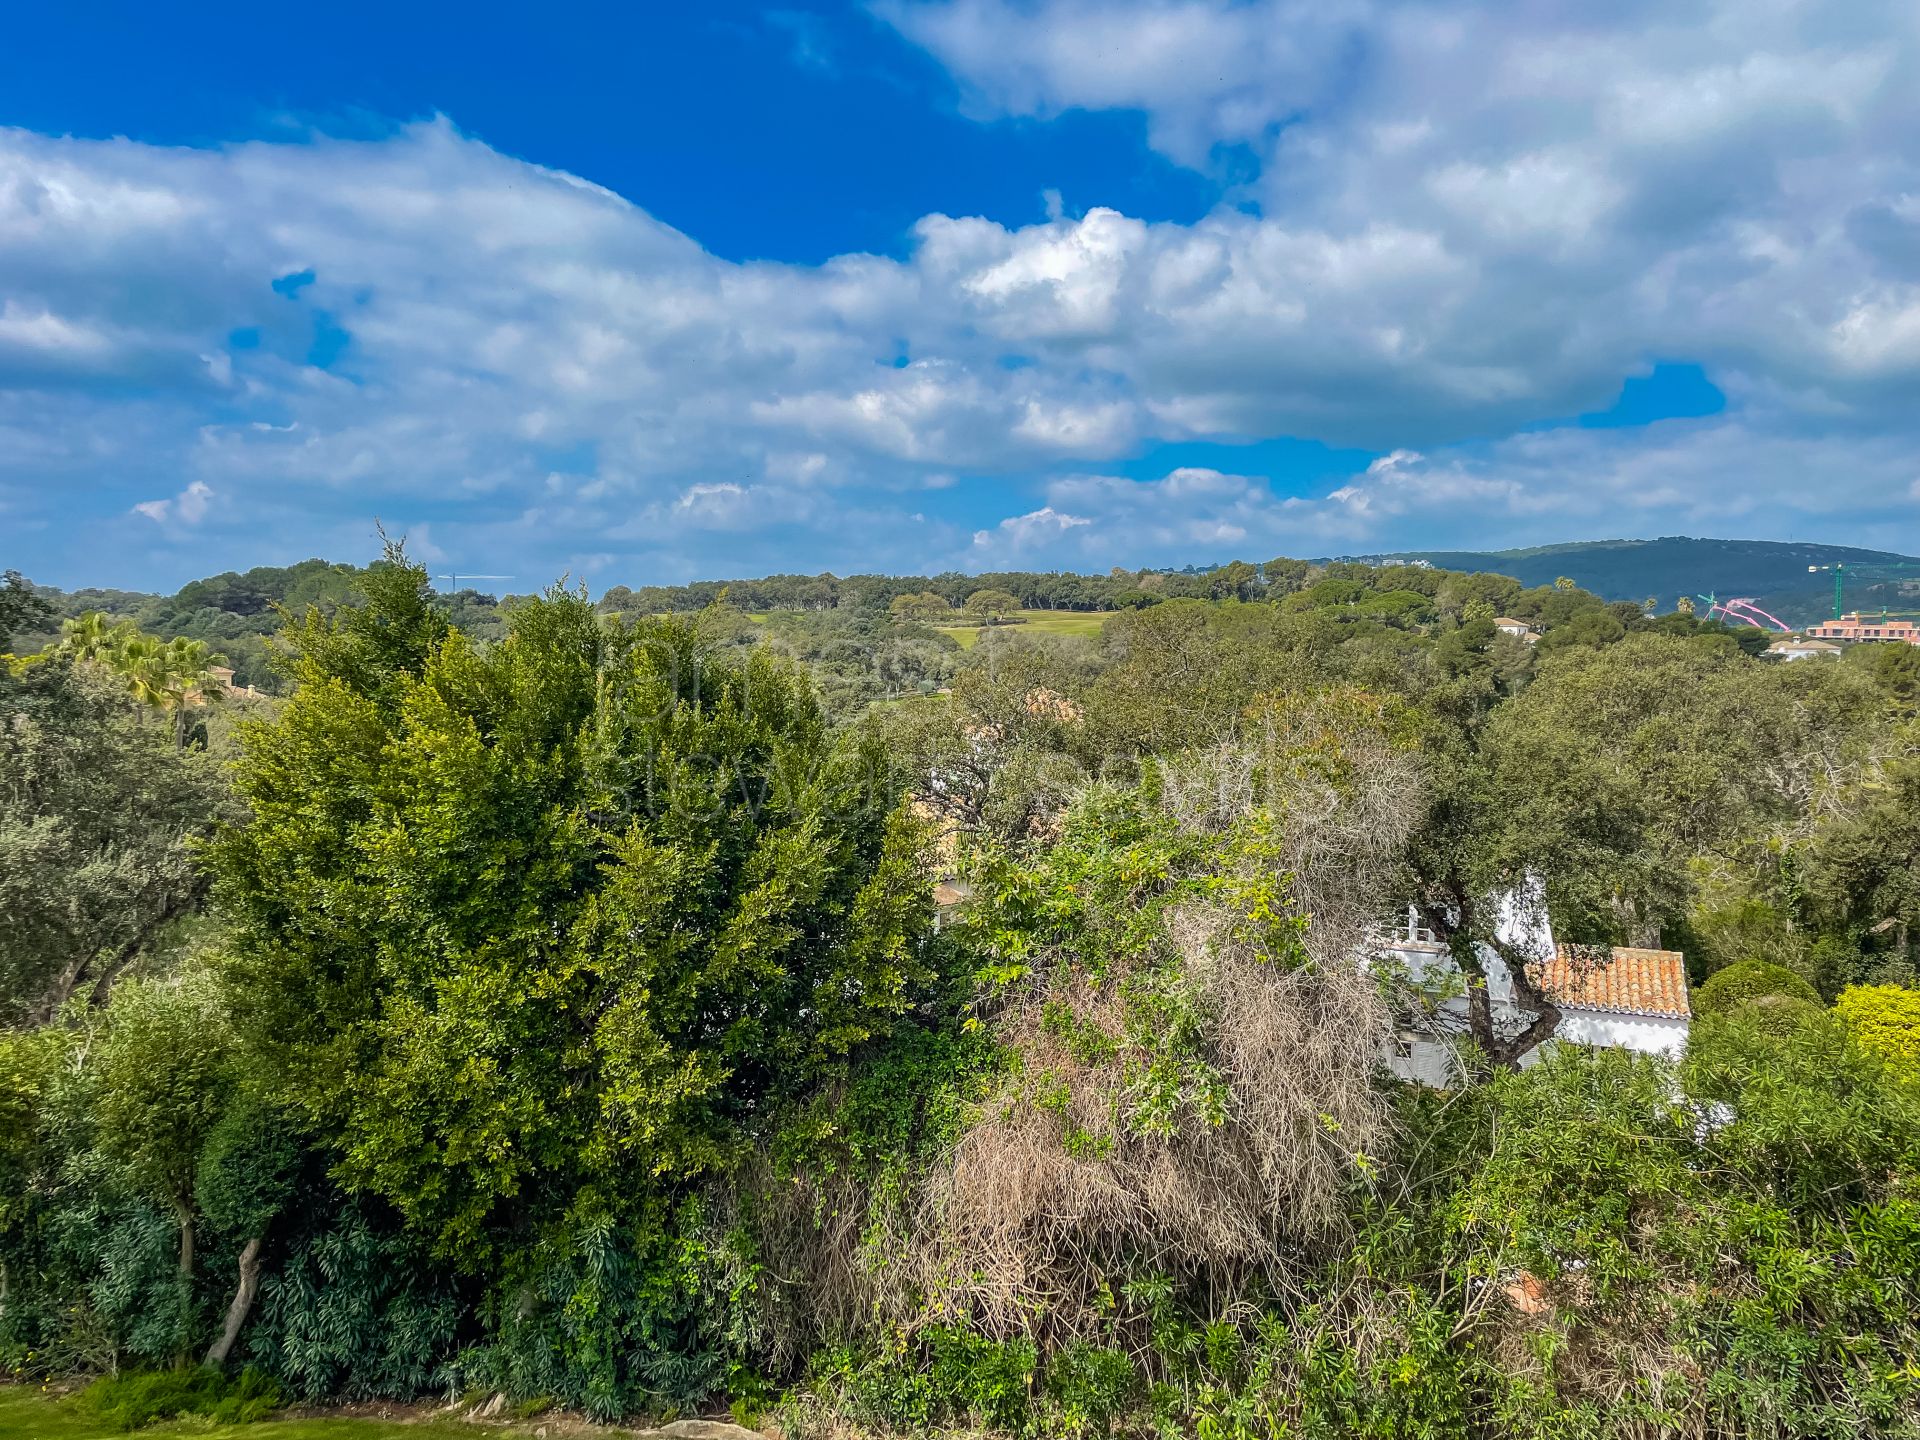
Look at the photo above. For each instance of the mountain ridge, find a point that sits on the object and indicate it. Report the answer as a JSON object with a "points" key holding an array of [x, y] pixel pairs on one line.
{"points": [[1775, 573]]}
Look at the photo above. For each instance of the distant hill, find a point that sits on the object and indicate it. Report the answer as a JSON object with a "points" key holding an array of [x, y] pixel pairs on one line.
{"points": [[236, 613], [1771, 572]]}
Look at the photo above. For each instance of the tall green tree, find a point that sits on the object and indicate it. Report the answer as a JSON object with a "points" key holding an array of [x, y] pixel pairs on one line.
{"points": [[552, 924], [20, 607], [98, 816], [164, 1072]]}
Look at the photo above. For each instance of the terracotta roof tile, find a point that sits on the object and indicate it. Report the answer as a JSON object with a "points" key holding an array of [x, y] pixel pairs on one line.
{"points": [[948, 893], [1634, 982]]}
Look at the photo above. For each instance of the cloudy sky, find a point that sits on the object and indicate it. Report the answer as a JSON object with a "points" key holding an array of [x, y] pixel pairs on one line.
{"points": [[652, 292]]}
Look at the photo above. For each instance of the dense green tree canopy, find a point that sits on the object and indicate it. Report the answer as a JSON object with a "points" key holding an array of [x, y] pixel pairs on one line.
{"points": [[98, 813], [557, 920]]}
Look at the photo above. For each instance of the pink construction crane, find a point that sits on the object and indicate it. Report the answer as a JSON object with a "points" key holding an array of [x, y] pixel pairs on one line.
{"points": [[1745, 611]]}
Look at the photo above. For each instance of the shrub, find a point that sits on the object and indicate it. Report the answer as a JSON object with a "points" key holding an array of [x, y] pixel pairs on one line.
{"points": [[1884, 1019], [137, 1398], [1092, 1386], [1779, 1015], [1749, 980]]}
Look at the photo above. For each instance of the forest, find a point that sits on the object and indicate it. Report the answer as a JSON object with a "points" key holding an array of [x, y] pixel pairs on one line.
{"points": [[720, 1001]]}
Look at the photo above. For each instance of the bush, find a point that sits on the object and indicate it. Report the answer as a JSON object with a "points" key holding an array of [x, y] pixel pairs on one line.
{"points": [[1884, 1019], [1749, 980], [137, 1398], [1779, 1015]]}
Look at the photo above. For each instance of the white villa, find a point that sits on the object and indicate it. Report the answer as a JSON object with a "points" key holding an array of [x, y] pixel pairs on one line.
{"points": [[1631, 998], [1794, 648]]}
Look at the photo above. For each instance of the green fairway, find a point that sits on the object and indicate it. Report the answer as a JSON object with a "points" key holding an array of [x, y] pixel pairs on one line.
{"points": [[1037, 622], [26, 1414]]}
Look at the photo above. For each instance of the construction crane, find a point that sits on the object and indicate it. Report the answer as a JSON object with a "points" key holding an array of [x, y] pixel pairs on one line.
{"points": [[1746, 612], [1839, 571]]}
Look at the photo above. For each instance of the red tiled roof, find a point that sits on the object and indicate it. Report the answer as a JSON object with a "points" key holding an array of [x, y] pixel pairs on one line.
{"points": [[1636, 982]]}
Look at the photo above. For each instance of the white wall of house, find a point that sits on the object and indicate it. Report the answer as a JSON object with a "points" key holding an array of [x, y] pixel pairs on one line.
{"points": [[1433, 1060], [1649, 1034]]}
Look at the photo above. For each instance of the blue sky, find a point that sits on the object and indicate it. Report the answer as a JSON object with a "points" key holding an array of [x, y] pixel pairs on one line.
{"points": [[657, 292]]}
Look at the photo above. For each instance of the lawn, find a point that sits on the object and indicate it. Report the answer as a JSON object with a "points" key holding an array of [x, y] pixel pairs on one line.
{"points": [[26, 1414], [1038, 622]]}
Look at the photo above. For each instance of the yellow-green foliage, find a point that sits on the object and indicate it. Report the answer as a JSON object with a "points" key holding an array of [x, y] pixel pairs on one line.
{"points": [[1884, 1019]]}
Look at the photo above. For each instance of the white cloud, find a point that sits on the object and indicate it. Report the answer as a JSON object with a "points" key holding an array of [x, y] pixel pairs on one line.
{"points": [[1019, 534], [1467, 223], [189, 507], [1698, 477], [1474, 216]]}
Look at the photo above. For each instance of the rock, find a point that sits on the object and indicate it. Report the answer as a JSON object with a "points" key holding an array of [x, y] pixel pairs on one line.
{"points": [[706, 1430]]}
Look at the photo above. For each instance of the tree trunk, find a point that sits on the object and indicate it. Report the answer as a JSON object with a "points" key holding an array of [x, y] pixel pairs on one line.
{"points": [[242, 1304], [1546, 1015], [1453, 924], [184, 1210]]}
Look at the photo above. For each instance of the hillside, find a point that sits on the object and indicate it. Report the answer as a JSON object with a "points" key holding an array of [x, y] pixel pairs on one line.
{"points": [[237, 613], [1772, 572]]}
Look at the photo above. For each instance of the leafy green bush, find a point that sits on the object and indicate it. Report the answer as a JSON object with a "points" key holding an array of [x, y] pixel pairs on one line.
{"points": [[1749, 980], [1092, 1386], [1884, 1019], [992, 1379], [1779, 1015], [134, 1399]]}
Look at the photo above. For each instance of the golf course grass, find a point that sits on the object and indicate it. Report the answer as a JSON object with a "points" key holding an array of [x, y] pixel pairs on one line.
{"points": [[1036, 622], [28, 1414]]}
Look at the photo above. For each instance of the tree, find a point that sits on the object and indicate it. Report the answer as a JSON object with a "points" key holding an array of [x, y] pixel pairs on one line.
{"points": [[95, 637], [537, 926], [98, 816], [169, 676], [243, 1179], [926, 607], [1588, 795], [1236, 580], [20, 607], [1862, 866], [163, 1075], [992, 604]]}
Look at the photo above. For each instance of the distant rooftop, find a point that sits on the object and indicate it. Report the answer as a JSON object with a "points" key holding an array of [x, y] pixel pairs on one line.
{"points": [[1629, 981]]}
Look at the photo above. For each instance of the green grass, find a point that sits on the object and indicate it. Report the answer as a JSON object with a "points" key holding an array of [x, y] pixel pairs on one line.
{"points": [[27, 1414], [1038, 622]]}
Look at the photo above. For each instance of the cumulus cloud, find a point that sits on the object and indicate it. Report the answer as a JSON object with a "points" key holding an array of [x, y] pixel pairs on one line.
{"points": [[1019, 535], [1465, 225], [189, 507], [1700, 477], [1469, 216]]}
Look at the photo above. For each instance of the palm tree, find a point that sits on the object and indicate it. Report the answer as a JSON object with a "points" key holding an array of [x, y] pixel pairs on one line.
{"points": [[163, 675], [169, 676], [141, 661], [94, 636]]}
